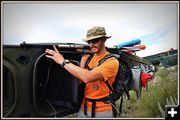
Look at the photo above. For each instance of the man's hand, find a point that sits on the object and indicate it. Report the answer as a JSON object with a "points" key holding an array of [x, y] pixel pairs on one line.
{"points": [[55, 55]]}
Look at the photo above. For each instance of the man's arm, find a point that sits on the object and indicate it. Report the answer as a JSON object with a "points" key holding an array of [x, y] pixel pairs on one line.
{"points": [[81, 73]]}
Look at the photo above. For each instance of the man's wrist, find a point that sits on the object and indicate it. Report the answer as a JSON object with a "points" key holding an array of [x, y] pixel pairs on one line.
{"points": [[66, 61]]}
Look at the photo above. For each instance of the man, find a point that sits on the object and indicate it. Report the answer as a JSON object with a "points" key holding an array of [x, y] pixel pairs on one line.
{"points": [[95, 76]]}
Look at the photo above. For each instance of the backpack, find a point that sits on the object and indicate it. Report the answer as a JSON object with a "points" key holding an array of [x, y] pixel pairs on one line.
{"points": [[141, 75], [120, 86]]}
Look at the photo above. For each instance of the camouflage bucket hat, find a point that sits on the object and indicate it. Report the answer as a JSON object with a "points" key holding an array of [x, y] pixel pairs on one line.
{"points": [[95, 32]]}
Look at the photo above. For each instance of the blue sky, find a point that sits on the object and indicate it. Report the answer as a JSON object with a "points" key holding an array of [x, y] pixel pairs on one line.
{"points": [[155, 23]]}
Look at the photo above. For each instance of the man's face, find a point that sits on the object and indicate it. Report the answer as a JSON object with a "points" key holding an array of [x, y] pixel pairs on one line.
{"points": [[97, 44]]}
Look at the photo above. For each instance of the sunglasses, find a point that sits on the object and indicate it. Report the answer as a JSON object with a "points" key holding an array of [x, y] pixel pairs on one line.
{"points": [[93, 41]]}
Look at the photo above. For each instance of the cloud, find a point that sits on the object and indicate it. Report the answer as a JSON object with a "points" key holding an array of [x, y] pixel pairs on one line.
{"points": [[154, 24]]}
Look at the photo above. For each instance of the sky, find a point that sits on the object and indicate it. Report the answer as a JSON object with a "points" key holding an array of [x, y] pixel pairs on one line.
{"points": [[154, 23]]}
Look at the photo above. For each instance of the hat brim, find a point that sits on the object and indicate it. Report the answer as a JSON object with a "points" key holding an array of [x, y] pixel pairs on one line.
{"points": [[95, 37]]}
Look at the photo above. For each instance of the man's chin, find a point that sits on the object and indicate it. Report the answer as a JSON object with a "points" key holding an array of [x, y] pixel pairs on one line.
{"points": [[94, 51]]}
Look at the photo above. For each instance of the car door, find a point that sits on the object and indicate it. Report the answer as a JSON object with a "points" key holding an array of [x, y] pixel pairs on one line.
{"points": [[35, 86]]}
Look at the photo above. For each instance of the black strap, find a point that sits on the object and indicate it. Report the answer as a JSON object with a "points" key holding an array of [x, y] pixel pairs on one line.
{"points": [[93, 109], [126, 91], [97, 100], [107, 57], [109, 86], [120, 107], [113, 109], [88, 61], [85, 107], [104, 99], [102, 60]]}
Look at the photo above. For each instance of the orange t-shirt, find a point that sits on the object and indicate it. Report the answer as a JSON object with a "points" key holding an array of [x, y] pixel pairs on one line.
{"points": [[98, 89]]}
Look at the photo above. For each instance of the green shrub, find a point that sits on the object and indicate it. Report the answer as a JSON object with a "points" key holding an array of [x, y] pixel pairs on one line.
{"points": [[164, 87]]}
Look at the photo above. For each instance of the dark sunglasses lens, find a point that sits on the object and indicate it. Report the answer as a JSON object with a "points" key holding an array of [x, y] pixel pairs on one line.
{"points": [[93, 41]]}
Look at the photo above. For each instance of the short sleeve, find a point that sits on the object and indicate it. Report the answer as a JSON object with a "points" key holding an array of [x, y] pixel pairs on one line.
{"points": [[109, 68]]}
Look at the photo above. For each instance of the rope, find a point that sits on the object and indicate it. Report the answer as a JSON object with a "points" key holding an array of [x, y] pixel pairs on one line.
{"points": [[115, 107]]}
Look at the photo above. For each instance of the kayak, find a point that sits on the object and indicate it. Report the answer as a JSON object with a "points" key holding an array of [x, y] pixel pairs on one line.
{"points": [[129, 43], [133, 49]]}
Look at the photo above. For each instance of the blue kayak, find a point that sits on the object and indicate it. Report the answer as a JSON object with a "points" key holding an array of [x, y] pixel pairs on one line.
{"points": [[129, 43]]}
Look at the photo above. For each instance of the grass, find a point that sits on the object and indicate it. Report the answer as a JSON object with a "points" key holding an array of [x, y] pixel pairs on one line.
{"points": [[163, 86]]}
